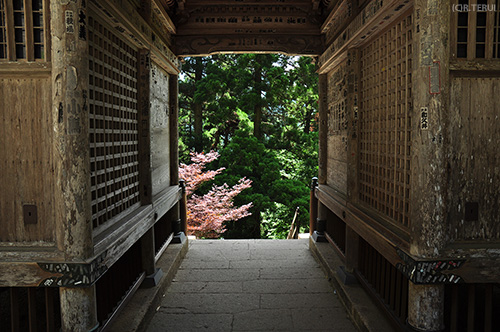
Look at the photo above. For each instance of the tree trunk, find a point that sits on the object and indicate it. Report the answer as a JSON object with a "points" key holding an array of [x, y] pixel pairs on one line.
{"points": [[198, 109], [257, 130], [307, 119]]}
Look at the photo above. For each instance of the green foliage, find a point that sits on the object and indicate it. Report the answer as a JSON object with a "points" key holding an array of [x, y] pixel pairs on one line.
{"points": [[282, 159]]}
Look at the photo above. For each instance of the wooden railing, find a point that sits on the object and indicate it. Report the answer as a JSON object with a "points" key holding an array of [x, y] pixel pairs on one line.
{"points": [[472, 307], [116, 286], [294, 231], [29, 309], [384, 283], [336, 232]]}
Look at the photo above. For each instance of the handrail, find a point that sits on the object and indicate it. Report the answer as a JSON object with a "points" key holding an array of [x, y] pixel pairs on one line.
{"points": [[293, 233]]}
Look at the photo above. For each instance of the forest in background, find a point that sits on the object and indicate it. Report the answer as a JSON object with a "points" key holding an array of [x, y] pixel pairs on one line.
{"points": [[259, 113]]}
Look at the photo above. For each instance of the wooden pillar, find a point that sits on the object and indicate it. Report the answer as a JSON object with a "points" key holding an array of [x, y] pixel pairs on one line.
{"points": [[425, 307], [320, 228], [353, 67], [323, 129], [72, 154], [178, 211], [144, 117], [183, 208], [428, 153], [78, 309], [351, 249], [153, 274], [313, 206], [174, 129]]}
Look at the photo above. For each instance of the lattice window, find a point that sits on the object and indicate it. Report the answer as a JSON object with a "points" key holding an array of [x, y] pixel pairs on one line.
{"points": [[476, 32], [113, 123], [22, 30], [337, 99], [3, 32], [38, 31], [496, 32], [19, 30], [385, 129]]}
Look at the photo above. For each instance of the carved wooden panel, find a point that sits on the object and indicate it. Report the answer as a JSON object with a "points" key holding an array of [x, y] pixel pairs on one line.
{"points": [[205, 45], [244, 26], [113, 123], [385, 117]]}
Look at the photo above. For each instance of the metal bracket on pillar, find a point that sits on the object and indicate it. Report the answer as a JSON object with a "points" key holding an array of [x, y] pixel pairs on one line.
{"points": [[430, 272], [319, 233], [179, 236], [153, 279]]}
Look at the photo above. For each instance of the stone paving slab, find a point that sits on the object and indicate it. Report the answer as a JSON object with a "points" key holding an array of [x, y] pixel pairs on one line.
{"points": [[191, 322], [289, 273], [217, 275], [206, 287], [298, 301], [304, 262], [250, 285]]}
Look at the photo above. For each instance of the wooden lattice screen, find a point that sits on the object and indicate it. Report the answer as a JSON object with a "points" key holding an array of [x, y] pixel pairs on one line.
{"points": [[386, 105], [22, 30], [113, 123], [337, 99], [476, 32]]}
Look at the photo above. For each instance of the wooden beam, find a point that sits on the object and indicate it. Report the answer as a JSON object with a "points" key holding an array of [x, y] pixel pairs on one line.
{"points": [[192, 3], [144, 116], [138, 31], [164, 16], [359, 224], [173, 123], [323, 129], [286, 44], [373, 18]]}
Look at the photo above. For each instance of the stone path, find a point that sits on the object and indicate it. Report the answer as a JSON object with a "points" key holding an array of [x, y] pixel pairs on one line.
{"points": [[250, 285]]}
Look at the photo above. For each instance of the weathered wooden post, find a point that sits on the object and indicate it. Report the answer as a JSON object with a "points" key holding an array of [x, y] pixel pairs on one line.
{"points": [[313, 206], [320, 222], [428, 209], [178, 213], [183, 207], [323, 129], [72, 154]]}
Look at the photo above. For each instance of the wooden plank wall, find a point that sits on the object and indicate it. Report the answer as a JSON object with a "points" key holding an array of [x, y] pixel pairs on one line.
{"points": [[160, 133], [337, 128], [474, 174], [26, 159]]}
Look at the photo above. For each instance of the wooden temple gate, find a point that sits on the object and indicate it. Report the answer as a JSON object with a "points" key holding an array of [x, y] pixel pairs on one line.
{"points": [[407, 190]]}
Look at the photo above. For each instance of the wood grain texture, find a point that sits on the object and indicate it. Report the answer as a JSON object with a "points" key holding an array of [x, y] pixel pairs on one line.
{"points": [[474, 175], [26, 157], [160, 129], [337, 93]]}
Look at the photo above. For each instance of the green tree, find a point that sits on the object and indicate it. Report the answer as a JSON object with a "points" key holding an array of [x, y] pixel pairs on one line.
{"points": [[259, 112]]}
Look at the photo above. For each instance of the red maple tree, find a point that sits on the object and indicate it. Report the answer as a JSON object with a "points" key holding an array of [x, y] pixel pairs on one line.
{"points": [[206, 214]]}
